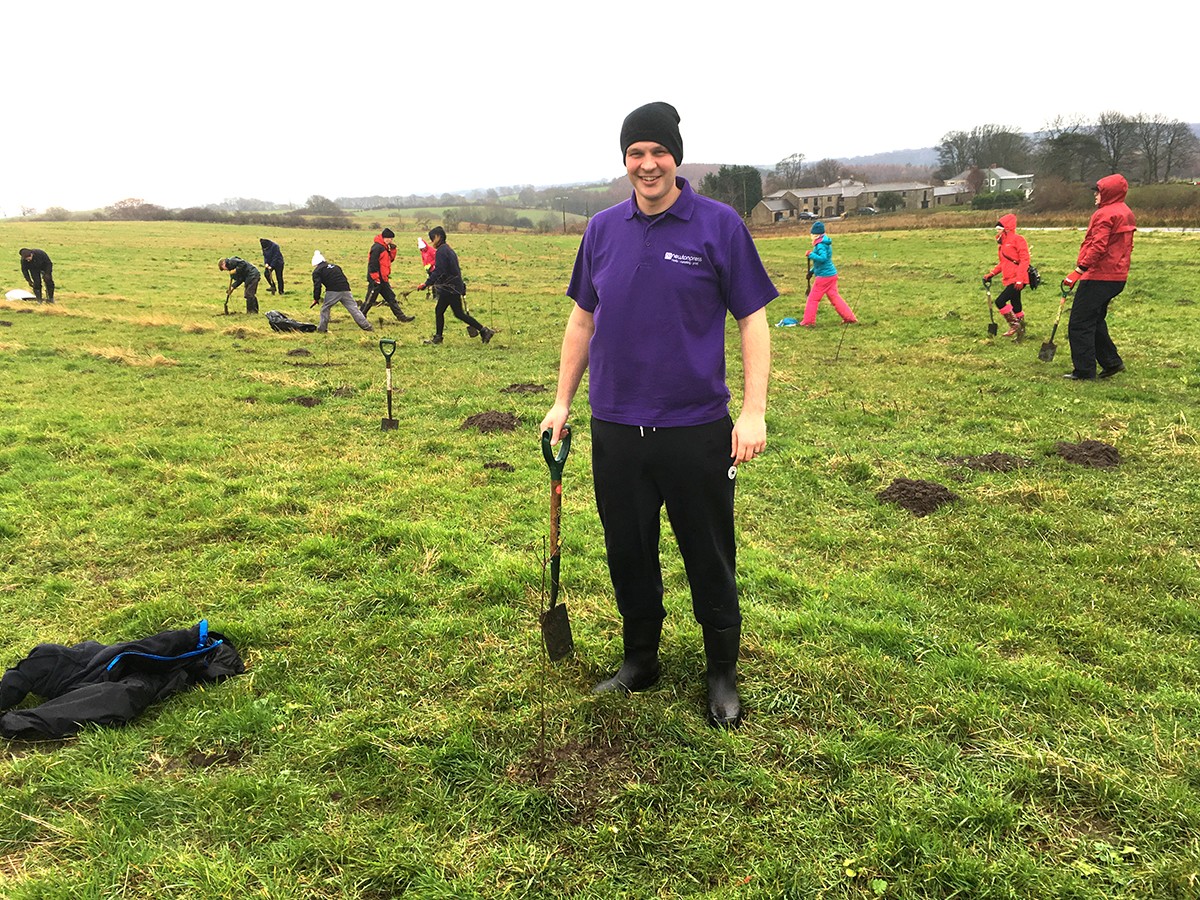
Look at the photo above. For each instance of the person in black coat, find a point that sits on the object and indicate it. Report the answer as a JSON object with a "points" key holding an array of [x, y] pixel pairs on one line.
{"points": [[37, 267], [242, 272], [449, 289], [272, 264], [336, 285]]}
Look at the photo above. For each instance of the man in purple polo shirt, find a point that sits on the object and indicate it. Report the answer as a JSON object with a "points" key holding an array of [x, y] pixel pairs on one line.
{"points": [[653, 282]]}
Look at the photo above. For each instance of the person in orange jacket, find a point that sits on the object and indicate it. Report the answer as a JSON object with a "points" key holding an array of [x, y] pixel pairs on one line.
{"points": [[1013, 269], [1102, 268], [379, 273]]}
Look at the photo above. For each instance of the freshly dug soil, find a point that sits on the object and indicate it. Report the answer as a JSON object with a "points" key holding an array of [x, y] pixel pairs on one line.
{"points": [[5, 324], [919, 497], [299, 351], [491, 420], [989, 462], [307, 402], [499, 464], [524, 389], [1095, 454]]}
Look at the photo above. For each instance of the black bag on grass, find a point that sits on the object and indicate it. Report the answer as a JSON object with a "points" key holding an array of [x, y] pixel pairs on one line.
{"points": [[281, 322], [1034, 276]]}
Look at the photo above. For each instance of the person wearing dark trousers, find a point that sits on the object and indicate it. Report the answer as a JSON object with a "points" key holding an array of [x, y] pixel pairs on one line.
{"points": [[379, 273], [337, 290], [272, 265], [1013, 268], [449, 289], [654, 281], [37, 268], [242, 273], [1102, 268]]}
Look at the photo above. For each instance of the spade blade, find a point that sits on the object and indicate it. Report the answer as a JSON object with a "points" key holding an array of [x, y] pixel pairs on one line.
{"points": [[556, 632], [1046, 354]]}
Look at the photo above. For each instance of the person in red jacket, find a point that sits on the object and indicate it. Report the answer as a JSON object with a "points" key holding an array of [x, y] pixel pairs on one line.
{"points": [[1013, 269], [379, 273], [1101, 269]]}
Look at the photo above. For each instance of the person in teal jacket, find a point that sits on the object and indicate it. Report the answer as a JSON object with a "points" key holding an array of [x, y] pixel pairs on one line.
{"points": [[825, 279]]}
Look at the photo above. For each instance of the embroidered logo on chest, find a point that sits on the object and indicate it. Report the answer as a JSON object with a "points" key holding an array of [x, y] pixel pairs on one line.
{"points": [[683, 259]]}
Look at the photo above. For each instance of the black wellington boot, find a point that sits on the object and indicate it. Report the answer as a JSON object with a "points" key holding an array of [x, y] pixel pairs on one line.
{"points": [[721, 649], [640, 669]]}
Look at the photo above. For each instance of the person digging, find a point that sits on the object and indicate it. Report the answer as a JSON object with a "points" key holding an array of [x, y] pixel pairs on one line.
{"points": [[241, 273], [448, 289]]}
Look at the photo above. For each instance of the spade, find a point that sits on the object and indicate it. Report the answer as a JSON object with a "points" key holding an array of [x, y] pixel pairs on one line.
{"points": [[992, 329], [556, 627], [387, 347], [1046, 353]]}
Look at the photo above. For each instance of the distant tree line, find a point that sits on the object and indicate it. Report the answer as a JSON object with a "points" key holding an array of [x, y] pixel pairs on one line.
{"points": [[1146, 149], [318, 212]]}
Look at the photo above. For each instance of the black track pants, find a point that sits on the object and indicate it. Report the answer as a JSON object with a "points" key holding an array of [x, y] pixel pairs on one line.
{"points": [[638, 470], [1009, 295], [1087, 329], [447, 300]]}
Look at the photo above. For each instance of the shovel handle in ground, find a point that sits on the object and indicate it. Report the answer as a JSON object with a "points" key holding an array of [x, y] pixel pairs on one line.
{"points": [[555, 462], [387, 347]]}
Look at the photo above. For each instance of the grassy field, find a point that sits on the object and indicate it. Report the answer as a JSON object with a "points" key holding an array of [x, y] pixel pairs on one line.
{"points": [[996, 700]]}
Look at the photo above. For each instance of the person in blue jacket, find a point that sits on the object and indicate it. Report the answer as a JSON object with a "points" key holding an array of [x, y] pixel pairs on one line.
{"points": [[825, 280], [272, 264]]}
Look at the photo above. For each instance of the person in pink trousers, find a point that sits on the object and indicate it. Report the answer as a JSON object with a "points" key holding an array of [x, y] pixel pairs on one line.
{"points": [[825, 279]]}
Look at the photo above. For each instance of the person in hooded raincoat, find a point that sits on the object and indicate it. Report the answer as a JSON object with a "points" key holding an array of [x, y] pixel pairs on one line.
{"points": [[1013, 268], [1102, 268]]}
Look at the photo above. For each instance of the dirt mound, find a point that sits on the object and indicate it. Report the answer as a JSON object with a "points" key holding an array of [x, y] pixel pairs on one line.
{"points": [[1096, 454], [499, 464], [919, 497], [307, 402], [524, 389], [989, 462], [299, 351], [5, 324], [491, 421]]}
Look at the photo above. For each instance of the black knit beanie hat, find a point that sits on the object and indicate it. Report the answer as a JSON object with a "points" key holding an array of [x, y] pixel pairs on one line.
{"points": [[658, 122], [387, 233]]}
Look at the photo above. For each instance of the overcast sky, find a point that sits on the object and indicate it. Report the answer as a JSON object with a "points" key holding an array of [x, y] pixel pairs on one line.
{"points": [[183, 104]]}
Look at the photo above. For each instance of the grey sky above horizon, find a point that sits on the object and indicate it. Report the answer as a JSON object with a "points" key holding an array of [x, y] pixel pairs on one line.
{"points": [[183, 105]]}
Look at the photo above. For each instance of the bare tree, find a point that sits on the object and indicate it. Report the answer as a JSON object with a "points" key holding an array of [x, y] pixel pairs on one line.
{"points": [[1068, 150], [1118, 140], [1180, 148], [983, 145], [954, 153], [825, 172], [1152, 133], [789, 171]]}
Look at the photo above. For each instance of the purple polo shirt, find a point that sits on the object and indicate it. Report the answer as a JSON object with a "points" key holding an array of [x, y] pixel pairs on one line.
{"points": [[659, 290]]}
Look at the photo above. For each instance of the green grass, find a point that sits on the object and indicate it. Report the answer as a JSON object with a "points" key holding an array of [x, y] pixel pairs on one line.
{"points": [[997, 700]]}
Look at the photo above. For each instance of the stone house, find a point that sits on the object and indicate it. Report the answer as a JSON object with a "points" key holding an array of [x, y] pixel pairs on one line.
{"points": [[996, 179], [837, 199]]}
